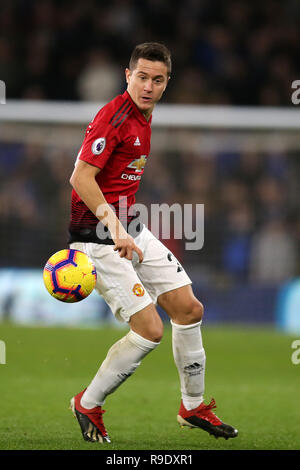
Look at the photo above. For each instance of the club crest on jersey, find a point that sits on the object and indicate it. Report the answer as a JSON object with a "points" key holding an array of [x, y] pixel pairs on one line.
{"points": [[98, 145], [138, 290]]}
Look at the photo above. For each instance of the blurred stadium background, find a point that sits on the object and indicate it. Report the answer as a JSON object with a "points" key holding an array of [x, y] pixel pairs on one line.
{"points": [[233, 66]]}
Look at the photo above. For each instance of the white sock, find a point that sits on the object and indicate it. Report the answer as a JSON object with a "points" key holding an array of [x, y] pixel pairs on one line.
{"points": [[121, 361], [189, 357]]}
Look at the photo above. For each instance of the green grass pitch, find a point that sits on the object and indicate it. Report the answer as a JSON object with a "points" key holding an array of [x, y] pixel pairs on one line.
{"points": [[249, 372]]}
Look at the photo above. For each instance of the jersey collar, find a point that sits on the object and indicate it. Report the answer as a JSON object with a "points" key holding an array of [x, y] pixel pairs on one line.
{"points": [[136, 110]]}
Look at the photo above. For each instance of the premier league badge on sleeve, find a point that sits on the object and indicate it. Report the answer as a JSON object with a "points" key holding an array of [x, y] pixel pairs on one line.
{"points": [[98, 145]]}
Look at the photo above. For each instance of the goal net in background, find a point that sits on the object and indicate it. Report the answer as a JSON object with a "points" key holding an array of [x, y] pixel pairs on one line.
{"points": [[242, 164]]}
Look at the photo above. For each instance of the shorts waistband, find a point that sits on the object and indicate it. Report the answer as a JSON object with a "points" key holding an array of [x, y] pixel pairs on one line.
{"points": [[100, 234]]}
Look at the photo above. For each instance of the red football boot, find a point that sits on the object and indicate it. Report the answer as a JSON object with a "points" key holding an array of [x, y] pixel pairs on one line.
{"points": [[202, 417], [90, 421]]}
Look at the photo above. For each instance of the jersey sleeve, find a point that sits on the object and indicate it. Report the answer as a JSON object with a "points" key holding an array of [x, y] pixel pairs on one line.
{"points": [[100, 141]]}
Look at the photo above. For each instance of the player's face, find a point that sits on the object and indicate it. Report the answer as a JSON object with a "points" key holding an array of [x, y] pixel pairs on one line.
{"points": [[146, 84]]}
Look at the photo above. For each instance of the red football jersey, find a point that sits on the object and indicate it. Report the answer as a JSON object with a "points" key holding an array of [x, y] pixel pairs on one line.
{"points": [[117, 141]]}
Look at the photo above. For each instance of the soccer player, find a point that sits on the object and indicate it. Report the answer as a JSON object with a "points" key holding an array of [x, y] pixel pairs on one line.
{"points": [[135, 271]]}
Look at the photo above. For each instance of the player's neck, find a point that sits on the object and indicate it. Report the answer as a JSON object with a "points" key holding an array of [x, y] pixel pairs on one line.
{"points": [[147, 114]]}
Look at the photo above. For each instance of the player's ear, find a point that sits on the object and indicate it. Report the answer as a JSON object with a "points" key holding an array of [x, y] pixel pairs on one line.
{"points": [[167, 82], [127, 75]]}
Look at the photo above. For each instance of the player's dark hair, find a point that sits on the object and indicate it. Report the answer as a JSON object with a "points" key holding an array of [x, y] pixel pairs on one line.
{"points": [[151, 51]]}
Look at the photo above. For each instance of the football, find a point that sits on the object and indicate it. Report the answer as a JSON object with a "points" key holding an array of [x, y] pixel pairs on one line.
{"points": [[69, 275]]}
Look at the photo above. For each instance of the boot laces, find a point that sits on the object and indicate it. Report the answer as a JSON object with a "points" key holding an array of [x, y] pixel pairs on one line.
{"points": [[206, 413], [98, 419]]}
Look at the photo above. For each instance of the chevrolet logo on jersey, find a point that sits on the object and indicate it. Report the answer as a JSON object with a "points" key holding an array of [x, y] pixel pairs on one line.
{"points": [[139, 163]]}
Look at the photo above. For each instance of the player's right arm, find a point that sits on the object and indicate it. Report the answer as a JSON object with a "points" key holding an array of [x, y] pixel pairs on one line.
{"points": [[83, 180]]}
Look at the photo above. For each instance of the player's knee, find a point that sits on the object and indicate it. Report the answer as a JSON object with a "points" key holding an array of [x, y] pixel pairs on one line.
{"points": [[155, 334], [152, 331], [195, 312], [148, 324]]}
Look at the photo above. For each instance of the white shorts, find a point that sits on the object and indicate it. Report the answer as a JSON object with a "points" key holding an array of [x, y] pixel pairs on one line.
{"points": [[129, 286]]}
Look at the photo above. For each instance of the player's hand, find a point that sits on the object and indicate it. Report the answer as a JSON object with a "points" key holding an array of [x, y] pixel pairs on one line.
{"points": [[126, 248]]}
